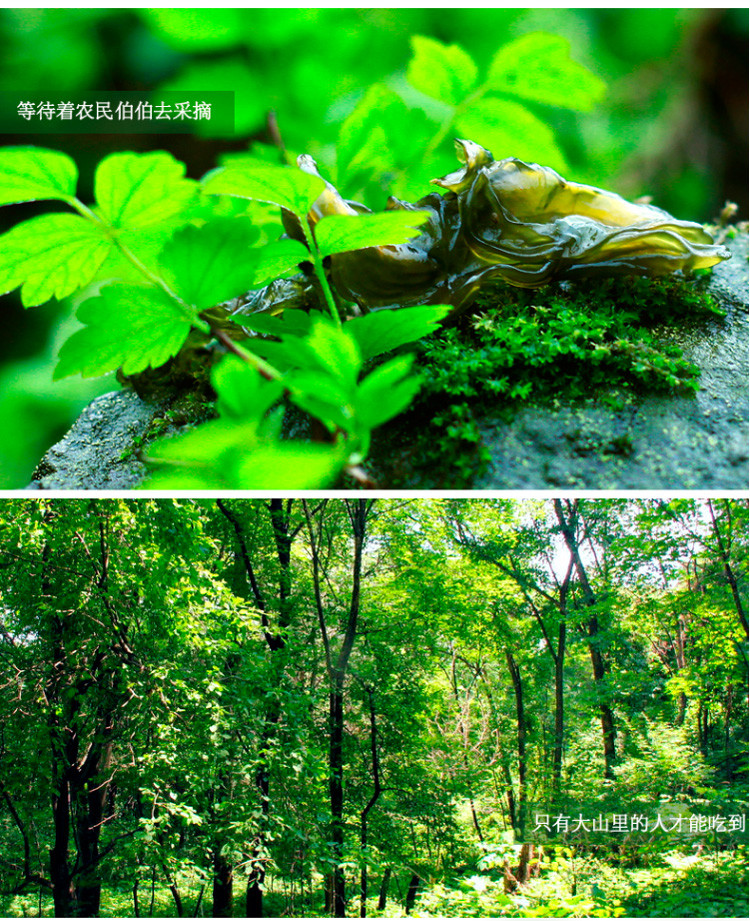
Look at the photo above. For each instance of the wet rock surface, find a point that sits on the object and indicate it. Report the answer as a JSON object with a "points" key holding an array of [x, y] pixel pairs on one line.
{"points": [[100, 450], [657, 442]]}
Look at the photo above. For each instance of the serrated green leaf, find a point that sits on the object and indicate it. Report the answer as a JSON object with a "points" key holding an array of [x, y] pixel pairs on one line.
{"points": [[52, 255], [276, 260], [444, 72], [212, 263], [320, 387], [386, 392], [36, 174], [363, 145], [125, 326], [242, 392], [330, 349], [342, 233], [508, 129], [538, 66], [385, 330], [137, 190], [285, 186]]}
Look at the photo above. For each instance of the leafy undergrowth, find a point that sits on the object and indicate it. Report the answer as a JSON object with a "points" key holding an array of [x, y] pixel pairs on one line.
{"points": [[676, 886], [601, 340]]}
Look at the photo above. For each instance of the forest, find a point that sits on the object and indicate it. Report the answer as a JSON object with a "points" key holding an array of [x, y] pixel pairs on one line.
{"points": [[371, 707]]}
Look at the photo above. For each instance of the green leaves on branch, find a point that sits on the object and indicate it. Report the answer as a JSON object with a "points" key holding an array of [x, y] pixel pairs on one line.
{"points": [[384, 135], [56, 255], [502, 124], [240, 449], [536, 67], [322, 367], [323, 364], [207, 265]]}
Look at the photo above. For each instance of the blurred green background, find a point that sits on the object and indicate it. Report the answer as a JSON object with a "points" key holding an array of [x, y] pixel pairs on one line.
{"points": [[673, 123]]}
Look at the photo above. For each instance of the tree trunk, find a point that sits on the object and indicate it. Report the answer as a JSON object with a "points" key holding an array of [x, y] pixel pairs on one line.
{"points": [[371, 802], [515, 675], [605, 711], [411, 893], [336, 789], [568, 528], [275, 641], [557, 754], [358, 511], [728, 571], [223, 885], [383, 894], [59, 871]]}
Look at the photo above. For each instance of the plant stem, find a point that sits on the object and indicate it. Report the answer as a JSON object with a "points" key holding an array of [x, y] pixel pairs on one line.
{"points": [[265, 370], [320, 272]]}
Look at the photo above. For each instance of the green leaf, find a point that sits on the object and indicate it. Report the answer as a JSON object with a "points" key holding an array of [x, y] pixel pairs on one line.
{"points": [[444, 72], [330, 349], [363, 144], [386, 392], [125, 326], [508, 129], [385, 330], [137, 190], [242, 393], [289, 323], [36, 174], [538, 66], [276, 260], [342, 233], [211, 264], [290, 466], [224, 455], [52, 255], [285, 186]]}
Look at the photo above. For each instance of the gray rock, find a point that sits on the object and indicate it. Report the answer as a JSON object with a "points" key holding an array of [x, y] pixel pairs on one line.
{"points": [[100, 450], [659, 442]]}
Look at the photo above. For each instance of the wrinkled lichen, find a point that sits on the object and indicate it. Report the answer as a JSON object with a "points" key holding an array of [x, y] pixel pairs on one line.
{"points": [[502, 219]]}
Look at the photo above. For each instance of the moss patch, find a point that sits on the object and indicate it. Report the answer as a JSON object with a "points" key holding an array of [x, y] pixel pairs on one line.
{"points": [[607, 340]]}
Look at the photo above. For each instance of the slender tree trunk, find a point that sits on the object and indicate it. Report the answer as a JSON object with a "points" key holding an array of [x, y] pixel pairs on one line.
{"points": [[515, 675], [605, 711], [275, 641], [568, 528], [376, 788], [336, 789], [383, 894], [557, 754], [728, 571], [358, 511]]}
